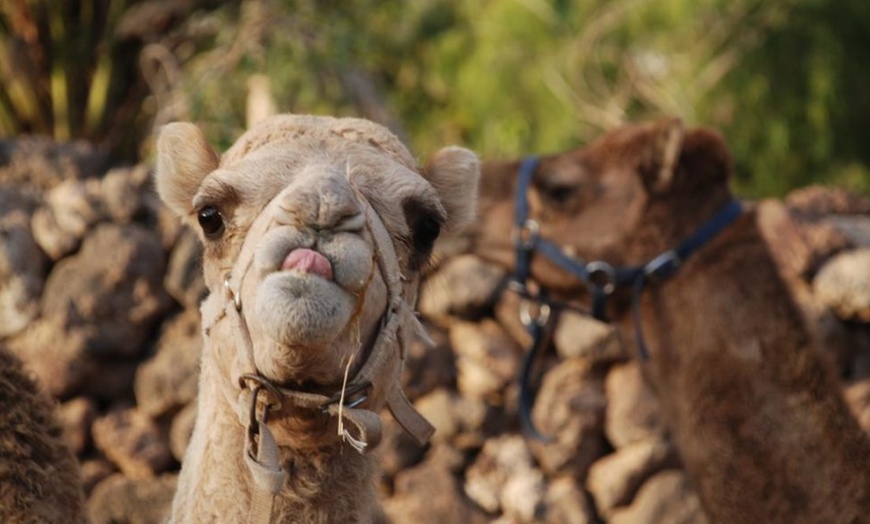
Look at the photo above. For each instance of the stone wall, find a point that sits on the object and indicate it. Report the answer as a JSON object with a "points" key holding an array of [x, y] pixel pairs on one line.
{"points": [[99, 288]]}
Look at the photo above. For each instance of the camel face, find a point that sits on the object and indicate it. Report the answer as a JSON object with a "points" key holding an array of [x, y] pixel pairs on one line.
{"points": [[305, 221], [628, 196]]}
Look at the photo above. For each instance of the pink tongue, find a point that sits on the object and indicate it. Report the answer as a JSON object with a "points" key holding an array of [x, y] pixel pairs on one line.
{"points": [[308, 261]]}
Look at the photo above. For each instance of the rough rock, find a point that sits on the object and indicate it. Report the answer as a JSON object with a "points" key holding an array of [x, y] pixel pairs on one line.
{"points": [[581, 336], [464, 287], [428, 367], [398, 451], [168, 380], [507, 313], [633, 411], [112, 289], [824, 241], [40, 163], [614, 479], [120, 191], [132, 501], [76, 417], [820, 200], [570, 409], [504, 479], [439, 408], [456, 419], [667, 497], [94, 471], [430, 493], [133, 442], [158, 218], [566, 503], [184, 281], [856, 228], [22, 264], [55, 353], [110, 381], [859, 368], [843, 285], [487, 359], [69, 211], [858, 398]]}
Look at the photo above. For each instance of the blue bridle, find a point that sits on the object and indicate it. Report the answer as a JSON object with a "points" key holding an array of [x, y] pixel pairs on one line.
{"points": [[600, 278]]}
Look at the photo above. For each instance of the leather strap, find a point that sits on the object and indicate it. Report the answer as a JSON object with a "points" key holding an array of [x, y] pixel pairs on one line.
{"points": [[408, 417], [266, 471]]}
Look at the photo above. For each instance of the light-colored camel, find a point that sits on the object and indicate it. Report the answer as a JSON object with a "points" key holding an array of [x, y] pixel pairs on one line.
{"points": [[39, 475], [752, 406], [315, 230]]}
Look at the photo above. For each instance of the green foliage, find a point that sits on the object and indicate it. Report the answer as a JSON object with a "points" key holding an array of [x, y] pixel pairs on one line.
{"points": [[784, 80], [801, 94]]}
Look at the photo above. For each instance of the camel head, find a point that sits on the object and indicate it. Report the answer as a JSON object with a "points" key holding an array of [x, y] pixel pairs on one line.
{"points": [[314, 227], [628, 196]]}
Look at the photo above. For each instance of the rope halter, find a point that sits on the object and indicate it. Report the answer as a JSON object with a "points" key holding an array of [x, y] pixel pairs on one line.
{"points": [[379, 376]]}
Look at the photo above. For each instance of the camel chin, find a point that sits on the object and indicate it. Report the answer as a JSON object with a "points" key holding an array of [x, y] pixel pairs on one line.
{"points": [[299, 309]]}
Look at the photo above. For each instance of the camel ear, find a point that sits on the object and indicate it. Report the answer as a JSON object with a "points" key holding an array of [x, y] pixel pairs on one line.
{"points": [[706, 158], [184, 158], [661, 154], [454, 172]]}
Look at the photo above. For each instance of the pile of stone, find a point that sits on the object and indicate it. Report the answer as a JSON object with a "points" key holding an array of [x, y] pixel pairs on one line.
{"points": [[99, 288]]}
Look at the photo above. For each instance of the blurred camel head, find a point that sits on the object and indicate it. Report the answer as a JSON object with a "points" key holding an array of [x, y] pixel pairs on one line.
{"points": [[626, 197]]}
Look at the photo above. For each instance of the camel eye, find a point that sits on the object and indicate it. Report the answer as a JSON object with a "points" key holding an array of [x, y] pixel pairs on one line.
{"points": [[425, 225], [211, 221], [426, 230], [557, 192]]}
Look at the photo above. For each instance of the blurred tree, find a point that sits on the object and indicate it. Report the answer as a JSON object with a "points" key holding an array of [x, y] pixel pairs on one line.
{"points": [[798, 104], [783, 79], [71, 69]]}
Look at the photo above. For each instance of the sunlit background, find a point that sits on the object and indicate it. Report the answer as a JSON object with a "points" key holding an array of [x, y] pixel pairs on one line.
{"points": [[786, 81]]}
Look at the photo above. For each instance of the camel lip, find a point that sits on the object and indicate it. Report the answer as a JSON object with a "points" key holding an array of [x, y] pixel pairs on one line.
{"points": [[308, 261]]}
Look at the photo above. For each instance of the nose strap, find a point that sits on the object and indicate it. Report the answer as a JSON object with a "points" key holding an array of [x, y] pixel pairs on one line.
{"points": [[388, 355]]}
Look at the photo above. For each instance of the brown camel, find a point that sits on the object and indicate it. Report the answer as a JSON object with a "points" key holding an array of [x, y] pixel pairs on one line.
{"points": [[39, 475], [755, 411]]}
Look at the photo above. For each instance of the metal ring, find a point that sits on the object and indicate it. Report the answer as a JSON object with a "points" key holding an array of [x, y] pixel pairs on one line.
{"points": [[349, 391], [263, 383], [663, 265], [526, 234], [517, 287], [609, 274], [542, 313], [237, 301]]}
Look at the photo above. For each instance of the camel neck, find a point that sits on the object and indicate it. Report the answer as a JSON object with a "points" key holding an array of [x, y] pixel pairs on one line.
{"points": [[317, 476], [748, 399], [732, 280]]}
